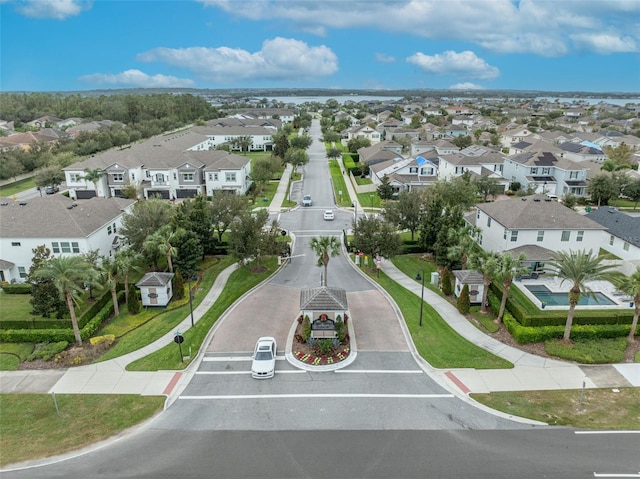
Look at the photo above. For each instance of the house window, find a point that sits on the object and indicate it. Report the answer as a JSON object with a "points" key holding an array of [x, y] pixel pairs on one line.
{"points": [[478, 214], [565, 236], [187, 176], [625, 246], [514, 236], [75, 178], [118, 177], [148, 174], [109, 230], [55, 247], [534, 171], [488, 221], [504, 235], [75, 247], [15, 243], [611, 240], [413, 169], [175, 176], [230, 177], [160, 178], [22, 272], [540, 237], [133, 176], [215, 177], [480, 239], [65, 247], [580, 236], [545, 171], [114, 227]]}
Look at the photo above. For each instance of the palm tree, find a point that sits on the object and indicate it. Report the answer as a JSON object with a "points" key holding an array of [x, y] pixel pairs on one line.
{"points": [[462, 242], [69, 275], [486, 263], [578, 267], [631, 286], [109, 268], [93, 175], [507, 268], [160, 241], [324, 247], [127, 262]]}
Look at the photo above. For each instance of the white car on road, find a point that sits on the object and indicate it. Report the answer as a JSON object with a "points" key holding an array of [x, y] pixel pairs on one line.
{"points": [[264, 358], [306, 200], [328, 215]]}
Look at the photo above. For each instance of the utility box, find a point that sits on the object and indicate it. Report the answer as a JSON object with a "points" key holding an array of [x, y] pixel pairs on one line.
{"points": [[435, 278]]}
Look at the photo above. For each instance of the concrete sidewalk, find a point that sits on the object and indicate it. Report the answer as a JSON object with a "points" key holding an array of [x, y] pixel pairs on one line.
{"points": [[530, 372]]}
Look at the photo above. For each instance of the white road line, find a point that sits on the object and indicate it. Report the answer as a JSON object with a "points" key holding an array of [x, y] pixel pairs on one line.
{"points": [[295, 371], [607, 432], [222, 359], [598, 474], [379, 371], [334, 396]]}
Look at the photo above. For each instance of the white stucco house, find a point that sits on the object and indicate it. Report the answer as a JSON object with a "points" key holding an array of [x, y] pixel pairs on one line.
{"points": [[65, 226], [622, 235], [535, 226], [171, 166]]}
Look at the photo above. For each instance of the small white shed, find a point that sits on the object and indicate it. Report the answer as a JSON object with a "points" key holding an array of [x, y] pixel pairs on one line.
{"points": [[475, 282], [155, 289]]}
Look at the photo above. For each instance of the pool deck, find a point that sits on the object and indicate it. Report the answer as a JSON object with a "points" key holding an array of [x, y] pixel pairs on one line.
{"points": [[553, 284]]}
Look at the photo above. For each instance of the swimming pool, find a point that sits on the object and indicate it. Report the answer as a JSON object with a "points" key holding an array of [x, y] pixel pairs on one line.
{"points": [[543, 293]]}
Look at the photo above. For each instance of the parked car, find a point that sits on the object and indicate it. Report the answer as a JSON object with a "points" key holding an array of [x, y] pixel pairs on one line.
{"points": [[264, 358], [328, 215], [306, 200], [51, 190]]}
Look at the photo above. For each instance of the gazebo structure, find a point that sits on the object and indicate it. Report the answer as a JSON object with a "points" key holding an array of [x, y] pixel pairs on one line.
{"points": [[323, 306], [155, 289]]}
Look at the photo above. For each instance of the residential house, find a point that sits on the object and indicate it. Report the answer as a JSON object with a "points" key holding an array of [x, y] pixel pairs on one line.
{"points": [[406, 174], [261, 137], [622, 236], [585, 151], [361, 131], [286, 115], [477, 160], [513, 136], [24, 141], [533, 225], [454, 131], [43, 120], [65, 226], [90, 127], [173, 166], [547, 172]]}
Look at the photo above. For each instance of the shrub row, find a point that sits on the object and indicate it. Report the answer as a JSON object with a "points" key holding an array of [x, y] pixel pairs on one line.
{"points": [[44, 323], [529, 334], [17, 288], [58, 335]]}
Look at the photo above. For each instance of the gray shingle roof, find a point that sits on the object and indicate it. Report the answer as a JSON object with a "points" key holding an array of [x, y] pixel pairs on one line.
{"points": [[534, 212], [323, 299], [155, 279], [619, 224], [55, 217]]}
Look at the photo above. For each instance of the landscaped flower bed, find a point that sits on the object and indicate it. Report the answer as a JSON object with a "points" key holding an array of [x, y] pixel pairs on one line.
{"points": [[313, 360]]}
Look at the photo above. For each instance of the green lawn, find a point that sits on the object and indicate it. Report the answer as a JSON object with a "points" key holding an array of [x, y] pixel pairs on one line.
{"points": [[83, 420], [338, 181], [146, 332], [168, 357], [435, 340], [17, 187], [16, 307]]}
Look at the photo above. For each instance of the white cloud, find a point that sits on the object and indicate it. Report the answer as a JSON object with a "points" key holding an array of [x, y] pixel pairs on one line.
{"points": [[464, 64], [279, 59], [604, 43], [466, 86], [541, 27], [56, 9], [384, 58], [136, 78]]}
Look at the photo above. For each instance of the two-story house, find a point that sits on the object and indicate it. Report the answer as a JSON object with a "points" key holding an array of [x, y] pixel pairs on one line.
{"points": [[546, 173], [622, 236], [535, 226], [406, 174], [477, 160], [65, 226]]}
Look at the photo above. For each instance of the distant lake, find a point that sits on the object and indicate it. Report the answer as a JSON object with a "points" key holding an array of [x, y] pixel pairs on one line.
{"points": [[297, 100]]}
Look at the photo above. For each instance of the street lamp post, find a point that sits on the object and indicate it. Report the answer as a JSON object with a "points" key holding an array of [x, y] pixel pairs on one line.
{"points": [[420, 277]]}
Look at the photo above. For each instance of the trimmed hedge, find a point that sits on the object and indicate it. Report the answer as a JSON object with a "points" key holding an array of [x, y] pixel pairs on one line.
{"points": [[17, 288], [57, 335], [528, 334]]}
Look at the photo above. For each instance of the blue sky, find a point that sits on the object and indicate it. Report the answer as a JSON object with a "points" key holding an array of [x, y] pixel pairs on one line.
{"points": [[549, 45]]}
